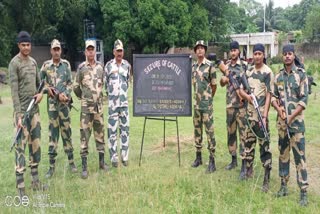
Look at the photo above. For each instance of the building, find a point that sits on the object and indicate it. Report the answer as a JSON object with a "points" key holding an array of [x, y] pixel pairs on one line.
{"points": [[248, 40]]}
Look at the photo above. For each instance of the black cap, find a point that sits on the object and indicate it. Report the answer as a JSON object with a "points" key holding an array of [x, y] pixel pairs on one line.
{"points": [[288, 48], [258, 47], [234, 45], [23, 36]]}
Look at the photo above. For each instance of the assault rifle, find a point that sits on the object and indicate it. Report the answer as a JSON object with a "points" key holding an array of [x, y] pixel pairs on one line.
{"points": [[26, 116], [256, 106]]}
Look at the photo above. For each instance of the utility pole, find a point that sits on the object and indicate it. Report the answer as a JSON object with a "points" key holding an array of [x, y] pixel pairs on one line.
{"points": [[264, 18]]}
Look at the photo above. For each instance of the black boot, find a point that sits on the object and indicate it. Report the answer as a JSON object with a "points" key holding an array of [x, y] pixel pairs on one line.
{"points": [[102, 164], [243, 172], [233, 163], [249, 171], [303, 198], [212, 166], [51, 169], [72, 165], [198, 161], [84, 173], [36, 185], [283, 191], [266, 179], [21, 192]]}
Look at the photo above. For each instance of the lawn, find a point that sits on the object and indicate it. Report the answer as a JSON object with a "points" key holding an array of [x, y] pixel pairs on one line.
{"points": [[159, 185]]}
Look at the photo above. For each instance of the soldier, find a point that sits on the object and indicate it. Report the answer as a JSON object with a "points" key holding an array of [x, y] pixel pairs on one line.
{"points": [[204, 82], [24, 79], [117, 74], [57, 74], [291, 87], [88, 88], [235, 108], [260, 83]]}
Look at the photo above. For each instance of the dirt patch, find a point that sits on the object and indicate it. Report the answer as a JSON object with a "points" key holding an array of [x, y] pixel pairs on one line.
{"points": [[184, 141]]}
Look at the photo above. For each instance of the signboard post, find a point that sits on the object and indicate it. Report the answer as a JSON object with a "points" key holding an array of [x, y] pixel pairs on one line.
{"points": [[162, 88]]}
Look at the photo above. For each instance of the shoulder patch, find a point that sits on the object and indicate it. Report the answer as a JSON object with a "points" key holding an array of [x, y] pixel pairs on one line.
{"points": [[301, 70], [81, 65]]}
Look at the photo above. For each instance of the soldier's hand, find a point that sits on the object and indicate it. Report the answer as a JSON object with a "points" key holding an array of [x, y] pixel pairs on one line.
{"points": [[63, 98], [50, 92], [38, 97], [19, 123], [282, 113], [224, 80], [249, 98]]}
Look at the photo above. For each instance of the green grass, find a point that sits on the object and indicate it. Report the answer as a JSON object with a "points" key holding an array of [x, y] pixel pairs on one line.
{"points": [[160, 185]]}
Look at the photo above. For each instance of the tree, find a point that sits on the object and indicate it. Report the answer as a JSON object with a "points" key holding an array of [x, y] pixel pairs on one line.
{"points": [[152, 26], [312, 28]]}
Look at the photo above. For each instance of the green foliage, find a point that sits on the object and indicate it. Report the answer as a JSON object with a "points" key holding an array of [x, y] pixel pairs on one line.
{"points": [[312, 28], [275, 60]]}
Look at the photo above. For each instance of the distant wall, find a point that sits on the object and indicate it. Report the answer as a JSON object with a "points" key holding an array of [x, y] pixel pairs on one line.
{"points": [[41, 54], [309, 50]]}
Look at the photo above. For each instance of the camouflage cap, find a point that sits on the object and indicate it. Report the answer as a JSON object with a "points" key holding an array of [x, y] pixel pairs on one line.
{"points": [[118, 45], [90, 43], [55, 44], [202, 43]]}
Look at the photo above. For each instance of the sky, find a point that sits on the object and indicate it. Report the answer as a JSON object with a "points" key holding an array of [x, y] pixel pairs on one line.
{"points": [[277, 3]]}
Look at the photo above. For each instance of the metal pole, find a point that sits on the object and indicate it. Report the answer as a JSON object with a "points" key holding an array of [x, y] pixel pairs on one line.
{"points": [[144, 127], [264, 18], [164, 132], [178, 141]]}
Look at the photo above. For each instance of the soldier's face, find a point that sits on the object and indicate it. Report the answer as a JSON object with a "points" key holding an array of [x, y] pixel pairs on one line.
{"points": [[234, 53], [288, 58], [90, 53], [258, 57], [56, 53], [25, 48], [118, 54], [200, 51]]}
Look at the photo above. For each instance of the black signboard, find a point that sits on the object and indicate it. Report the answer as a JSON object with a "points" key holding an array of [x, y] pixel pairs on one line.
{"points": [[162, 85]]}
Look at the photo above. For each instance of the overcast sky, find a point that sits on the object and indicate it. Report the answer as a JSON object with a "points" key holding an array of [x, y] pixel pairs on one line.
{"points": [[277, 3]]}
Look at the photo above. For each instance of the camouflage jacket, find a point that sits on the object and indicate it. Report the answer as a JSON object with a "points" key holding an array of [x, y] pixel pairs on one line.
{"points": [[232, 99], [117, 83], [260, 83], [203, 76], [24, 81], [295, 86], [58, 76], [88, 87]]}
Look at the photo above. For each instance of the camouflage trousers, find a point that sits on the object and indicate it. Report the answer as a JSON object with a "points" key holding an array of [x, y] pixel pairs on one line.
{"points": [[31, 134], [87, 122], [205, 117], [297, 144], [250, 144], [118, 116], [59, 121], [236, 120]]}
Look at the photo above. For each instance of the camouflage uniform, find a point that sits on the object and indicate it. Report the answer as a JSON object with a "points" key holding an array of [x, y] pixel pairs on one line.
{"points": [[235, 110], [88, 87], [25, 79], [117, 84], [58, 76], [295, 85], [203, 76], [260, 82]]}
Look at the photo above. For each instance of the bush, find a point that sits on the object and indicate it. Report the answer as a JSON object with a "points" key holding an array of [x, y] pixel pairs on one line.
{"points": [[275, 60]]}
